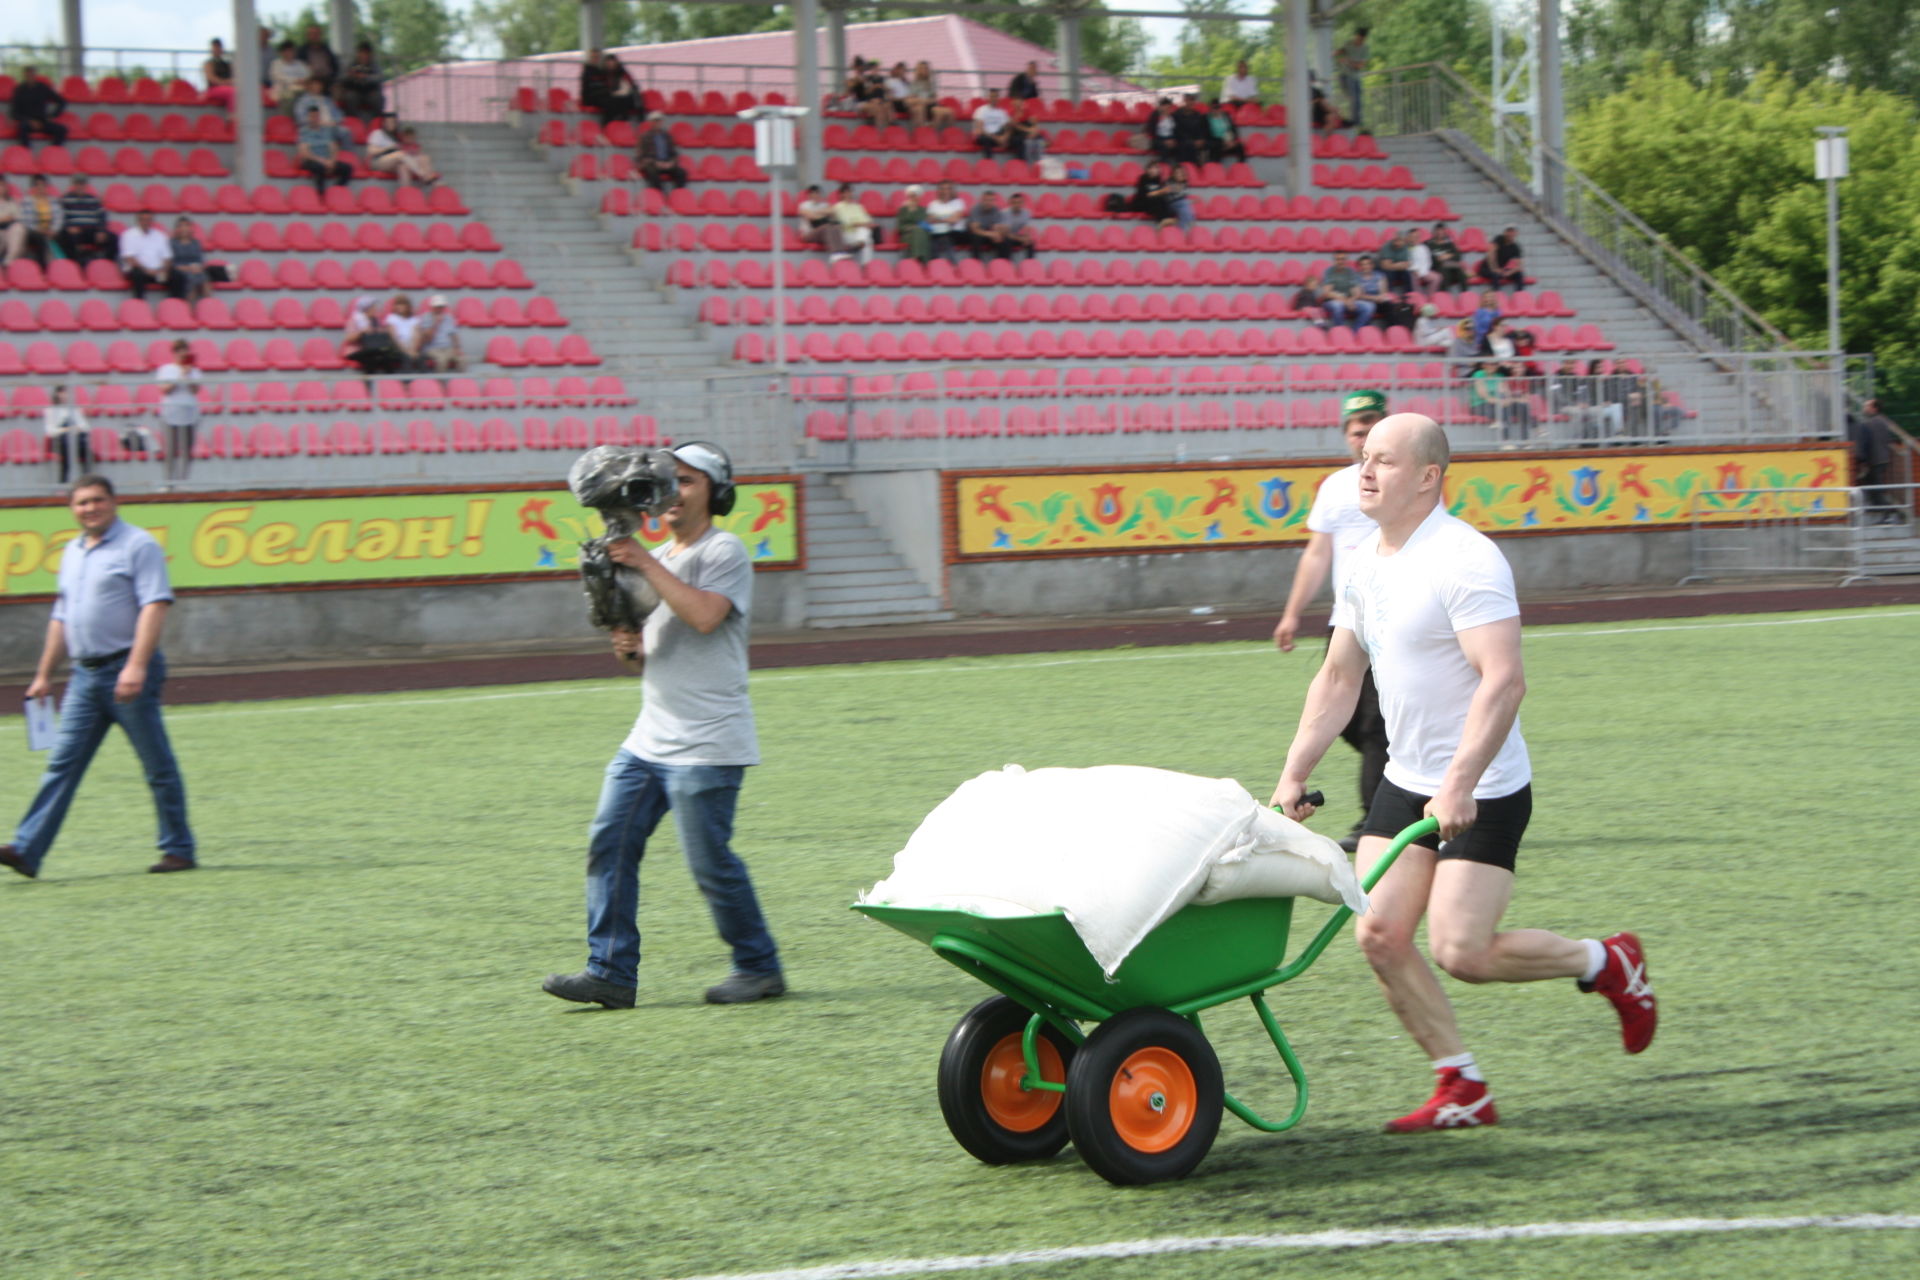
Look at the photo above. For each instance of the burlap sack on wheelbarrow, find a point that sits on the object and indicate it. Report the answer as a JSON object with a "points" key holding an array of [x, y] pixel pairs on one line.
{"points": [[1118, 848]]}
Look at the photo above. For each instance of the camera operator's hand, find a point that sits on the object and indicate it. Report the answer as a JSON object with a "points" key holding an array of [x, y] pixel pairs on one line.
{"points": [[629, 553], [626, 645]]}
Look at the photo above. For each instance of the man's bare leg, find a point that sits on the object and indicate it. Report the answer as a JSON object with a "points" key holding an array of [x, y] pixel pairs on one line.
{"points": [[1464, 935], [1386, 937]]}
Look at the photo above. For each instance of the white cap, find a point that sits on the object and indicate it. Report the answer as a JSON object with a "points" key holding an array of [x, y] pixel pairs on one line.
{"points": [[437, 300], [707, 459]]}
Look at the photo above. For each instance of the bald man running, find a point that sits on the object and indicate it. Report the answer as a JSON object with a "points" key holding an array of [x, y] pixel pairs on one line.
{"points": [[1429, 603]]}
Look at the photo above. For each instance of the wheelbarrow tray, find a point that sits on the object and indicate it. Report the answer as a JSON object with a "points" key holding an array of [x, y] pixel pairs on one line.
{"points": [[1195, 953]]}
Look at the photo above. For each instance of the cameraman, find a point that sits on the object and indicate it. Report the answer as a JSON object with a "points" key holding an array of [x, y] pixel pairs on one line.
{"points": [[687, 752]]}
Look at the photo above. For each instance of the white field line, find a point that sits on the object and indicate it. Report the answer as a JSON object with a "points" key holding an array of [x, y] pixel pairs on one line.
{"points": [[1327, 1240], [946, 667]]}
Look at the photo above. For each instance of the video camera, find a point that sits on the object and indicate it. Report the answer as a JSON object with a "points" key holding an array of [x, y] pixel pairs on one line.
{"points": [[625, 485]]}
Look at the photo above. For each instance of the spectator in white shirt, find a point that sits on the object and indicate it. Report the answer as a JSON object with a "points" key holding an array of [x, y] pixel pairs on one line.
{"points": [[1432, 330], [993, 128], [946, 222], [397, 151], [1241, 88], [405, 328], [440, 337], [287, 76], [146, 256], [1420, 262], [179, 381]]}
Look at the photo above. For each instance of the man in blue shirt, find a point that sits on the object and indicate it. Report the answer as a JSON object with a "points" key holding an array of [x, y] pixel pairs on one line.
{"points": [[318, 153], [109, 615]]}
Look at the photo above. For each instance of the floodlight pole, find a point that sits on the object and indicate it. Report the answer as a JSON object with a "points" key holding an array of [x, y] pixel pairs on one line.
{"points": [[1830, 163]]}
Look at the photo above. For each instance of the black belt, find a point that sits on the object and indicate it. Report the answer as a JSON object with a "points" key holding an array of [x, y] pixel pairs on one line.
{"points": [[104, 660]]}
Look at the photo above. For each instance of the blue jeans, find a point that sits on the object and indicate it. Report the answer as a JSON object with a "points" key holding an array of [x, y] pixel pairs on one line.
{"points": [[1351, 83], [86, 713], [632, 800], [1357, 314], [1183, 212]]}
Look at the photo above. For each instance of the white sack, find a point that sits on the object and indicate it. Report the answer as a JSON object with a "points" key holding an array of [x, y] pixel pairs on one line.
{"points": [[1118, 848]]}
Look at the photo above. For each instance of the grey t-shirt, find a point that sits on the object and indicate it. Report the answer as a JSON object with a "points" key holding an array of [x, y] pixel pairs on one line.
{"points": [[694, 707]]}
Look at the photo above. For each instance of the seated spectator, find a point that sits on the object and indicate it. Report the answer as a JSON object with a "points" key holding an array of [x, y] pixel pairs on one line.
{"points": [[1241, 89], [399, 154], [359, 89], [856, 226], [1025, 137], [217, 71], [1306, 301], [407, 336], [817, 223], [1159, 130], [1485, 314], [1498, 344], [910, 226], [1326, 120], [1150, 195], [1398, 309], [318, 55], [1396, 263], [923, 99], [369, 343], [41, 217], [947, 223], [34, 108], [1509, 267], [1025, 86], [865, 83], [13, 225], [1017, 222], [1340, 295], [1369, 289], [986, 227], [1192, 137], [1420, 261], [1223, 141], [993, 128], [594, 90], [319, 151], [892, 104], [439, 343], [1523, 348], [316, 98], [69, 434], [84, 234], [1463, 352], [1448, 267], [657, 156], [1178, 202], [146, 257], [288, 76], [1570, 395], [1432, 330], [189, 262], [1498, 391]]}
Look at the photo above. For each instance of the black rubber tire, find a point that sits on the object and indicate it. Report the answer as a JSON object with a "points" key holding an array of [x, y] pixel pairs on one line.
{"points": [[962, 1099], [1093, 1075]]}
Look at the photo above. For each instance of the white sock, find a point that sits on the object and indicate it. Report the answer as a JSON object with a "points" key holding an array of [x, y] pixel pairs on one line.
{"points": [[1463, 1062], [1596, 959]]}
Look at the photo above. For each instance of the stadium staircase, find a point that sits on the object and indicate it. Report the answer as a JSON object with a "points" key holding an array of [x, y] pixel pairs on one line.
{"points": [[854, 577]]}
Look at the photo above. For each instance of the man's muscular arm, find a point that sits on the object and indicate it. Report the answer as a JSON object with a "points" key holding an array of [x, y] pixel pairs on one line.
{"points": [[1493, 650]]}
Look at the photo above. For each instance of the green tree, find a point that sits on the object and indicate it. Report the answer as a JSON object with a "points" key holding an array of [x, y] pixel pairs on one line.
{"points": [[408, 34]]}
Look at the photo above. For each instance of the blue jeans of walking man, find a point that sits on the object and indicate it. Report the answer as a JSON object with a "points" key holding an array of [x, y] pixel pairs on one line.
{"points": [[86, 713], [636, 794]]}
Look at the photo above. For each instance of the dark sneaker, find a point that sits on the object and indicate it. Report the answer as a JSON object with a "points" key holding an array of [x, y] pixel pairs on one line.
{"points": [[1457, 1103], [10, 858], [1351, 841], [741, 988], [1623, 981], [584, 988], [172, 862]]}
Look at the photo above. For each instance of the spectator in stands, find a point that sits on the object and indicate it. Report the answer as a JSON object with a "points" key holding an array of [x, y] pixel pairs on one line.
{"points": [[13, 225], [288, 76], [318, 151], [1485, 314], [1509, 264], [34, 108], [400, 155], [407, 337], [1370, 289], [1150, 194], [1396, 263], [217, 71], [1447, 263], [1241, 89], [84, 234], [1307, 299], [864, 84], [189, 262], [607, 87], [1399, 310], [1159, 130], [1431, 330], [359, 89], [369, 343], [1497, 391], [910, 226], [179, 381], [1224, 144], [1325, 118], [817, 223], [146, 257], [946, 222], [923, 99], [1340, 295], [41, 218], [993, 128], [318, 55], [1025, 137], [1192, 136], [1464, 351], [986, 227], [267, 57], [439, 345], [316, 98], [1025, 86], [1570, 395], [893, 105], [856, 226], [69, 434], [1870, 437], [1351, 59], [1017, 222], [1420, 261], [657, 155]]}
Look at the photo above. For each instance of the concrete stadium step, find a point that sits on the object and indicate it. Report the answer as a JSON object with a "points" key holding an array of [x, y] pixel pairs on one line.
{"points": [[854, 577]]}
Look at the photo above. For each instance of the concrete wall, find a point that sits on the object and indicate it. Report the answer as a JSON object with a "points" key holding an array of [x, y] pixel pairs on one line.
{"points": [[906, 506], [264, 627], [1103, 584]]}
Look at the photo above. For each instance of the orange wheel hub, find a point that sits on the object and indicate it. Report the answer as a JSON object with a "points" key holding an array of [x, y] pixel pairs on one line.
{"points": [[1153, 1099], [1010, 1106]]}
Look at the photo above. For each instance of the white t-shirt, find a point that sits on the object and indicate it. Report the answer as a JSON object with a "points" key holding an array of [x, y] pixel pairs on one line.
{"points": [[380, 140], [945, 215], [1336, 513], [1242, 87], [694, 707], [1419, 258], [897, 89], [403, 328], [152, 248], [1405, 609], [991, 119]]}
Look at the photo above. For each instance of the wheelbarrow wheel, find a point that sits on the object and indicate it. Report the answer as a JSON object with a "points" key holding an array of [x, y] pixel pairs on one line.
{"points": [[981, 1067], [1144, 1097]]}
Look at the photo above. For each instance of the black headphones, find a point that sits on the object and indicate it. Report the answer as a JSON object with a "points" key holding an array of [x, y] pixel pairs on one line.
{"points": [[721, 503]]}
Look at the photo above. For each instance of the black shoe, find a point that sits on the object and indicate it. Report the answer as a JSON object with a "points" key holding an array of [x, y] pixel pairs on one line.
{"points": [[1351, 841], [742, 988], [172, 862], [584, 988], [10, 857]]}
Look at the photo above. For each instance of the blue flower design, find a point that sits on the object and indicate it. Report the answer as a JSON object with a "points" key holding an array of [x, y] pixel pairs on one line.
{"points": [[1276, 498]]}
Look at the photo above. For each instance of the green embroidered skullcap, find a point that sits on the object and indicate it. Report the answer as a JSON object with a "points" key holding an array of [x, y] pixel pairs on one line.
{"points": [[1363, 402]]}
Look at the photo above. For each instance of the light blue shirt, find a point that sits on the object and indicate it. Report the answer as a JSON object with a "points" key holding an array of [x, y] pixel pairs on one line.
{"points": [[104, 587]]}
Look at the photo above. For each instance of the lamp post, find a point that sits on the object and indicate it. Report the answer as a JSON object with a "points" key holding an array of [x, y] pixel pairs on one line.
{"points": [[1830, 165], [773, 151]]}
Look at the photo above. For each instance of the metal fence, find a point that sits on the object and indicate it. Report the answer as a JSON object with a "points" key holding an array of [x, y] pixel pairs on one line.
{"points": [[1857, 533]]}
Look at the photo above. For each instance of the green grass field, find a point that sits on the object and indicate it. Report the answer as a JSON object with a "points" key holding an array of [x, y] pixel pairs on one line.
{"points": [[326, 1056]]}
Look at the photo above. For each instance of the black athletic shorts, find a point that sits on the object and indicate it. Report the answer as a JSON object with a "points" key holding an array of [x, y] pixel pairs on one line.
{"points": [[1494, 837]]}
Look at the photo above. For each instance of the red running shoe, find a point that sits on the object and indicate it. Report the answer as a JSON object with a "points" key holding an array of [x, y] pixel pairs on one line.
{"points": [[1457, 1103], [1623, 980]]}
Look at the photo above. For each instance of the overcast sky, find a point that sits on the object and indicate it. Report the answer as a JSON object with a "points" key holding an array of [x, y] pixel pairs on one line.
{"points": [[189, 24]]}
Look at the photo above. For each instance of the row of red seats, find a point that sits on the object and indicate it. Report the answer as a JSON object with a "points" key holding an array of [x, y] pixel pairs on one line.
{"points": [[1066, 272], [171, 315], [47, 359], [1120, 380], [273, 201], [141, 90], [682, 103], [388, 395], [127, 162], [282, 131], [395, 273], [966, 171], [1138, 238], [137, 126], [1085, 205], [226, 441], [956, 422], [280, 166], [337, 237], [945, 345]]}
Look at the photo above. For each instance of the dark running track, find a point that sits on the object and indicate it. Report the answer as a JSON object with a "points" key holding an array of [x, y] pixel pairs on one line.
{"points": [[957, 640]]}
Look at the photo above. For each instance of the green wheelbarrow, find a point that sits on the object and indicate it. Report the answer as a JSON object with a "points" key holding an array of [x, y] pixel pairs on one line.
{"points": [[1140, 1095]]}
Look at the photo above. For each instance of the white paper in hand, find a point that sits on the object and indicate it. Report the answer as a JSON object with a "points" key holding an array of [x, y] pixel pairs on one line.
{"points": [[42, 726]]}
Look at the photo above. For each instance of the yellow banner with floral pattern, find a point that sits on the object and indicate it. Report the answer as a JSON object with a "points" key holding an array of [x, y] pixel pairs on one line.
{"points": [[1204, 508]]}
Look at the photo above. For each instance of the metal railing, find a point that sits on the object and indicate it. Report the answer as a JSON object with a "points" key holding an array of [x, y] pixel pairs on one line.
{"points": [[96, 63], [1859, 533]]}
